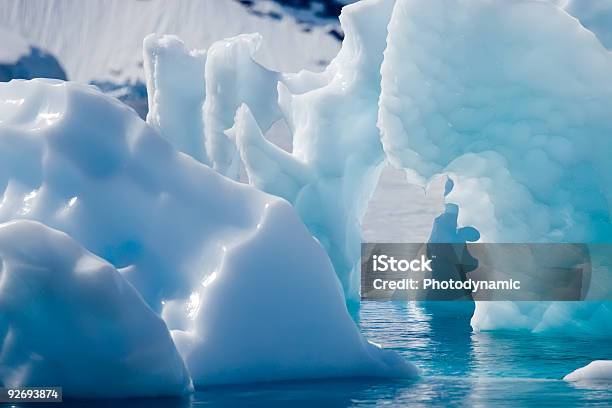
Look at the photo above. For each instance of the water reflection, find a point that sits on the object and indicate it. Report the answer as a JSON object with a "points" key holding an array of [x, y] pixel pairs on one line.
{"points": [[459, 368]]}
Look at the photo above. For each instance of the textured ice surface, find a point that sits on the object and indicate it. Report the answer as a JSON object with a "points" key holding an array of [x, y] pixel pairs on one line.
{"points": [[73, 320], [233, 77], [511, 100], [337, 156], [248, 293], [194, 95], [176, 92], [472, 95], [600, 370]]}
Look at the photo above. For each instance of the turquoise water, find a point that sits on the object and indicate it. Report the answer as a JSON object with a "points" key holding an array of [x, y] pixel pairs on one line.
{"points": [[459, 368]]}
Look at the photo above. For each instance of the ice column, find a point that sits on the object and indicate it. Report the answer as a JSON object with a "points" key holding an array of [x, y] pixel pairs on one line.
{"points": [[337, 155]]}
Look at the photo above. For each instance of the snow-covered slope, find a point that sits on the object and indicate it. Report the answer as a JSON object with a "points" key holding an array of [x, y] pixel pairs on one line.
{"points": [[102, 39], [13, 47], [18, 59]]}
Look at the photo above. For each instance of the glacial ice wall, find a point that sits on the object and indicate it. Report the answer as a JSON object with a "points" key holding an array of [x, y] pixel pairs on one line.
{"points": [[232, 271], [512, 101], [73, 320]]}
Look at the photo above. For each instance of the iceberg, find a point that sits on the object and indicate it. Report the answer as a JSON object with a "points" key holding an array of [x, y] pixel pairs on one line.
{"points": [[600, 370], [247, 292], [337, 156], [194, 95], [491, 93], [294, 318], [73, 320], [486, 117]]}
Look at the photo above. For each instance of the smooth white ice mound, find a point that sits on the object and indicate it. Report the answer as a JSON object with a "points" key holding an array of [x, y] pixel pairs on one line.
{"points": [[511, 100], [73, 320], [295, 320], [87, 165], [600, 370], [580, 318], [233, 272]]}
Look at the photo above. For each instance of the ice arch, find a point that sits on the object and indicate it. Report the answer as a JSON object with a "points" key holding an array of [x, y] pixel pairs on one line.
{"points": [[512, 100]]}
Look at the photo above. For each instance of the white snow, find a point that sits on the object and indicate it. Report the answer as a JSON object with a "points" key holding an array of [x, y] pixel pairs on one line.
{"points": [[247, 292], [600, 370], [493, 93], [102, 39], [72, 320], [13, 47]]}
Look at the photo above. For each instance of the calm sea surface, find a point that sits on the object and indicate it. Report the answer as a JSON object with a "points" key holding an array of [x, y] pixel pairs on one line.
{"points": [[459, 368]]}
